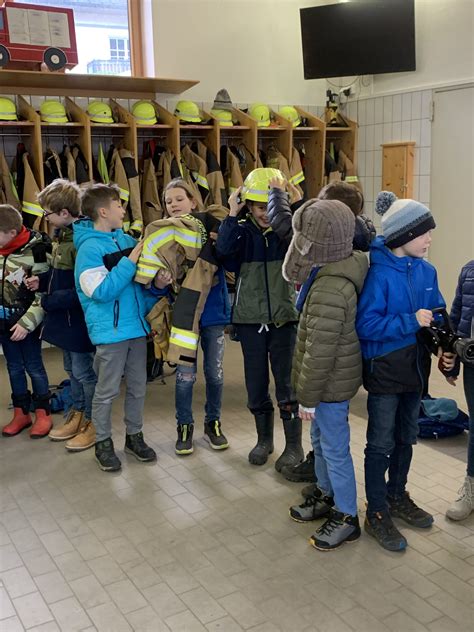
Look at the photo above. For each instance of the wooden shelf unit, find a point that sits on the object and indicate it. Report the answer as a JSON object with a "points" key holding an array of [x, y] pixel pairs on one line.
{"points": [[344, 138], [313, 140]]}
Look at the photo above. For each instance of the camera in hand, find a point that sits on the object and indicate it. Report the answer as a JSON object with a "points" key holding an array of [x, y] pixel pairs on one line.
{"points": [[440, 335]]}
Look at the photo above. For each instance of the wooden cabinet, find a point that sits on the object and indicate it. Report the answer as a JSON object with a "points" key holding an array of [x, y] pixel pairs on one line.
{"points": [[397, 168]]}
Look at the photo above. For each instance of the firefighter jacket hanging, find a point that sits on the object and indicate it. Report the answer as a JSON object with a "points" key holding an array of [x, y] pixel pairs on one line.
{"points": [[8, 192], [27, 188], [123, 172], [214, 177]]}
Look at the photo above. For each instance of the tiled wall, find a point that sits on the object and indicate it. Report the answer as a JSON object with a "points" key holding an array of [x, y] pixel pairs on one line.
{"points": [[400, 117]]}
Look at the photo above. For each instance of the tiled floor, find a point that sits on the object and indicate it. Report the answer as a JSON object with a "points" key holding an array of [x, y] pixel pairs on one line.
{"points": [[205, 542]]}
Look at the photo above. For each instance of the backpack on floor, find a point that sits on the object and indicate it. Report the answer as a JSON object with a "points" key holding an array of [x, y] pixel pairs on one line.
{"points": [[61, 399], [440, 417]]}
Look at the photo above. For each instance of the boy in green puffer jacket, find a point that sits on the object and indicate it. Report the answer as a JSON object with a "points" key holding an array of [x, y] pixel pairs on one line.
{"points": [[327, 364]]}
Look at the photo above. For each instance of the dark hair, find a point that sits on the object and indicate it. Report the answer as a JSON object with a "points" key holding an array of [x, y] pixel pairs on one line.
{"points": [[10, 219], [344, 192], [98, 196]]}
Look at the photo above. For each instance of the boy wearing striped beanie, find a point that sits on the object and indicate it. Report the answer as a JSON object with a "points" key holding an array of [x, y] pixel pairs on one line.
{"points": [[400, 292]]}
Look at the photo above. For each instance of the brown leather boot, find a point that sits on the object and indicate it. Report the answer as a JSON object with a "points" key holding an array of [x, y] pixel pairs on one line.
{"points": [[69, 428], [84, 440]]}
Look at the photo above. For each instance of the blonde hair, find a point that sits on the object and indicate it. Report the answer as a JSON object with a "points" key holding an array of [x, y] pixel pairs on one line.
{"points": [[179, 183], [61, 194], [10, 219]]}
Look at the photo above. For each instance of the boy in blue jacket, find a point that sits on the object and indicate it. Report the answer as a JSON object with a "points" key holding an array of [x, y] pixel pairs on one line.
{"points": [[400, 291], [114, 308], [64, 325]]}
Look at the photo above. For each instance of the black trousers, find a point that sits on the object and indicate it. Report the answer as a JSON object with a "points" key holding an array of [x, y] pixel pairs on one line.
{"points": [[266, 347]]}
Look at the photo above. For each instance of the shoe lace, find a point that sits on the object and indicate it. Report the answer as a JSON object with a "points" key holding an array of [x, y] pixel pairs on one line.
{"points": [[331, 524], [311, 500], [384, 522], [466, 492], [85, 426]]}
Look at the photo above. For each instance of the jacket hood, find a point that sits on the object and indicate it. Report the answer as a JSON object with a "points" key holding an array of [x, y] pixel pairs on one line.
{"points": [[354, 268], [84, 230], [381, 255]]}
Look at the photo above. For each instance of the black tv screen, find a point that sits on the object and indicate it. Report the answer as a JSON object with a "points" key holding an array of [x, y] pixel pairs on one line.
{"points": [[360, 37]]}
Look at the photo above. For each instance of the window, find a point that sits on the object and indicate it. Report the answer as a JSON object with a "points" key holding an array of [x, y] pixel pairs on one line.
{"points": [[119, 48], [102, 34]]}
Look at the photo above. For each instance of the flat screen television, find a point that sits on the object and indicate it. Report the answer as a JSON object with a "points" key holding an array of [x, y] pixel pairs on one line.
{"points": [[360, 37]]}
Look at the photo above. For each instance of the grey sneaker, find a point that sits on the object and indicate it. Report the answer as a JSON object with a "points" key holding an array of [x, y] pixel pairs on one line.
{"points": [[312, 508], [337, 529], [464, 504]]}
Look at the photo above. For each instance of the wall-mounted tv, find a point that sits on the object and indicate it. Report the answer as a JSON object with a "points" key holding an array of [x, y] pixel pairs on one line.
{"points": [[358, 37]]}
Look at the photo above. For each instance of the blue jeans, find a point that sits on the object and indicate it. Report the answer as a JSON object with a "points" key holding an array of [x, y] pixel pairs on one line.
{"points": [[391, 435], [24, 357], [330, 438], [212, 344], [468, 377], [79, 367]]}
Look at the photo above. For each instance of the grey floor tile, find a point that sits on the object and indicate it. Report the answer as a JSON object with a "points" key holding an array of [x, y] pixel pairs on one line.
{"points": [[89, 591], [53, 587], [18, 582], [32, 609], [12, 624], [146, 620], [70, 615], [107, 618], [126, 596], [185, 622]]}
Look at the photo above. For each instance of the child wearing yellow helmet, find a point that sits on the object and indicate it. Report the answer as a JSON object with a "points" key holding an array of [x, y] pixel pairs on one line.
{"points": [[264, 314]]}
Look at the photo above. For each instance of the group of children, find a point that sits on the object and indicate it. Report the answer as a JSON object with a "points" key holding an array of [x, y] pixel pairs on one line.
{"points": [[349, 324]]}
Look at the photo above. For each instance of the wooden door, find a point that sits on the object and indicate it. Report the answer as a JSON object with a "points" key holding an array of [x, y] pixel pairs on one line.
{"points": [[397, 168]]}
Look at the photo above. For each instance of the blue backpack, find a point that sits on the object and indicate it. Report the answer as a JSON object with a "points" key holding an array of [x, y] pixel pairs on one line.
{"points": [[61, 399], [440, 417]]}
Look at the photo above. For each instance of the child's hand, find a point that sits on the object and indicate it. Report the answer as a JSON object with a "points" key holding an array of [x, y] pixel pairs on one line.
{"points": [[19, 333], [162, 279], [424, 317], [213, 235], [305, 414], [32, 283], [234, 203], [294, 193], [448, 360], [134, 256], [277, 183]]}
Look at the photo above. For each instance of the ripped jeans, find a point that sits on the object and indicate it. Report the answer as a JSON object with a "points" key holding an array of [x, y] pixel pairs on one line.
{"points": [[212, 344]]}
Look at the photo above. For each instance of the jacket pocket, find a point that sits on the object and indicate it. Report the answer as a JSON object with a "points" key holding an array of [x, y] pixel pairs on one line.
{"points": [[116, 313]]}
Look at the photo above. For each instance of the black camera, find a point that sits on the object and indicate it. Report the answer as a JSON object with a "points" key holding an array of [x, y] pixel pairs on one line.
{"points": [[440, 335]]}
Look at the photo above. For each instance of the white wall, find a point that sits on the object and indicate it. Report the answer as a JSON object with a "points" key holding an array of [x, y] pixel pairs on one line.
{"points": [[250, 47], [444, 47]]}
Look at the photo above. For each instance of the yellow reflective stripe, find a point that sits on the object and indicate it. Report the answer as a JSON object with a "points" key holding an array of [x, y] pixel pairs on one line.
{"points": [[297, 178], [125, 226], [32, 209], [352, 179], [146, 272], [13, 186], [183, 236], [124, 194], [184, 338], [201, 180], [137, 224], [257, 191]]}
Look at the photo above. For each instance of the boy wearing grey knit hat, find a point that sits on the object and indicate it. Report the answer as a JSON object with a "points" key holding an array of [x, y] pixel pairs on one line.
{"points": [[327, 364], [399, 294]]}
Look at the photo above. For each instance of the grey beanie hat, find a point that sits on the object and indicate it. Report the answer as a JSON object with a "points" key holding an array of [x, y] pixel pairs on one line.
{"points": [[323, 231], [222, 101]]}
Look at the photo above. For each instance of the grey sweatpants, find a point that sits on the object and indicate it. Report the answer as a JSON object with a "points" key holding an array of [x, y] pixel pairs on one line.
{"points": [[111, 362]]}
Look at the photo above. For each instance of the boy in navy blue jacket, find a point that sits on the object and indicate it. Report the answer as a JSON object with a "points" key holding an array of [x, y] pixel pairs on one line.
{"points": [[400, 291], [64, 325]]}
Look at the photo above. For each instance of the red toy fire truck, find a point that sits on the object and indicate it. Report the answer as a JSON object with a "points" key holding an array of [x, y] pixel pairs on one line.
{"points": [[32, 34]]}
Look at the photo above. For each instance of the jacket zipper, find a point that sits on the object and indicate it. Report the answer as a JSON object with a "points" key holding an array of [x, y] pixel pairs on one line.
{"points": [[418, 370], [238, 291], [266, 280]]}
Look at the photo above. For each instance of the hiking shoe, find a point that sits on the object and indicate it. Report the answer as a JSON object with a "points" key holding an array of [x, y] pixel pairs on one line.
{"points": [[84, 439], [105, 456], [464, 504], [184, 443], [309, 490], [337, 529], [213, 434], [69, 428], [312, 508], [302, 472], [404, 508], [135, 444], [380, 526]]}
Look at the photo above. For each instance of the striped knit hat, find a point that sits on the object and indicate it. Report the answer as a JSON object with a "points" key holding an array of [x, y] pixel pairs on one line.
{"points": [[402, 220]]}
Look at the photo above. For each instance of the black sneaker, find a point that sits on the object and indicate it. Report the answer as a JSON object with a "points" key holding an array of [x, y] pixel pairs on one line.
{"points": [[309, 490], [301, 472], [135, 444], [337, 529], [313, 508], [404, 508], [213, 434], [184, 443], [380, 526], [105, 456]]}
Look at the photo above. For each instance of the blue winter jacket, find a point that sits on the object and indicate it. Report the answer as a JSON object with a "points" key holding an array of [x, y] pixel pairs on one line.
{"points": [[394, 290], [462, 310], [217, 307], [114, 305]]}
